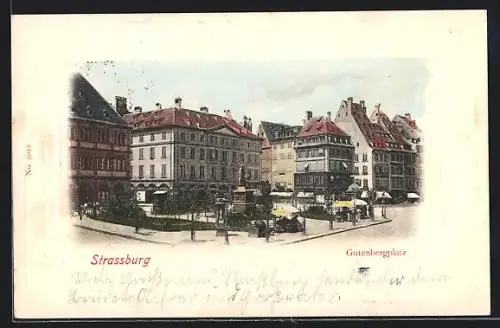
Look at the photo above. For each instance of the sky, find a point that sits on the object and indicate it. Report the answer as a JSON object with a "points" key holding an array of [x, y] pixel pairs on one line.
{"points": [[271, 91]]}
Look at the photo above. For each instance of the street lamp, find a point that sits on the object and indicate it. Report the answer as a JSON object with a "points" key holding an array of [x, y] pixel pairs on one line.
{"points": [[221, 204]]}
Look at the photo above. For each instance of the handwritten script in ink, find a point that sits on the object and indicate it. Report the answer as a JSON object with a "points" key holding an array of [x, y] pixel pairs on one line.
{"points": [[157, 288], [27, 170]]}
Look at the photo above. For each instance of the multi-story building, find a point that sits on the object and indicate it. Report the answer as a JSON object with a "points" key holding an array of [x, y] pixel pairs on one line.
{"points": [[325, 156], [99, 146], [403, 161], [413, 135], [186, 151], [380, 156], [278, 154]]}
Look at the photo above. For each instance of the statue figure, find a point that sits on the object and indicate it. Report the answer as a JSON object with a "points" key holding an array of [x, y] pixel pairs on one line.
{"points": [[242, 180]]}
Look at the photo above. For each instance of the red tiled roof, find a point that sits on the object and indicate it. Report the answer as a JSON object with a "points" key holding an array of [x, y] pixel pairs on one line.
{"points": [[374, 133], [320, 125], [398, 137], [411, 123], [186, 118]]}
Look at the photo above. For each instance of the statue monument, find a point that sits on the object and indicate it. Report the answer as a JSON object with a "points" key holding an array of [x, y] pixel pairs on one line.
{"points": [[243, 198]]}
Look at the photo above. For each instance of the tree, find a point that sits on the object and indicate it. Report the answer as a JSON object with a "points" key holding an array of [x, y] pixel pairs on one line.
{"points": [[122, 207]]}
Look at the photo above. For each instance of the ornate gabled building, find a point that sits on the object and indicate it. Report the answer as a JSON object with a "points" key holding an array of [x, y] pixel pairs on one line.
{"points": [[380, 155], [278, 154], [99, 145], [185, 151], [325, 155], [408, 167]]}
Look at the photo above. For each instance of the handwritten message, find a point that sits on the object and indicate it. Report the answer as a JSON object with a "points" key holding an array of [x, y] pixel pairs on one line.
{"points": [[157, 288]]}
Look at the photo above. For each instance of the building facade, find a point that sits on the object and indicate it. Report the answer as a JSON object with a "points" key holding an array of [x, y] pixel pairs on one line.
{"points": [[99, 146], [185, 151], [414, 136], [325, 157], [279, 160], [383, 159]]}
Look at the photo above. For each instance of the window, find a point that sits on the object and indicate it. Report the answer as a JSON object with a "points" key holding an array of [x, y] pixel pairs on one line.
{"points": [[141, 153], [289, 155], [365, 183], [242, 157], [275, 157], [164, 136], [141, 138], [152, 152], [214, 154], [356, 170], [202, 172], [152, 137], [183, 136], [234, 172], [182, 170], [163, 151], [289, 145], [365, 158], [275, 146], [224, 156], [152, 171], [214, 174], [202, 137], [365, 170], [249, 158], [282, 146], [141, 171], [192, 172], [213, 139], [193, 152], [164, 170], [249, 175], [282, 156], [356, 157], [131, 170], [234, 157], [193, 136], [183, 152], [223, 172], [202, 154]]}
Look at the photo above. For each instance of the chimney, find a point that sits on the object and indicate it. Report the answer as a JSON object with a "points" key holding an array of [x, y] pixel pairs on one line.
{"points": [[362, 104], [158, 106], [249, 124], [204, 109], [408, 116], [329, 115], [178, 102], [309, 115], [121, 105], [137, 109], [303, 121], [245, 122], [227, 113], [349, 100]]}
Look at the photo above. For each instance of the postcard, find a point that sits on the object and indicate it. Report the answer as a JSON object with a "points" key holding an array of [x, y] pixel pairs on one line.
{"points": [[250, 165]]}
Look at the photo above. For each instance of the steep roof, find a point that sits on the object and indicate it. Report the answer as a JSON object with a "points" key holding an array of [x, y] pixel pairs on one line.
{"points": [[374, 133], [391, 128], [270, 128], [88, 103], [319, 126], [182, 117], [410, 122]]}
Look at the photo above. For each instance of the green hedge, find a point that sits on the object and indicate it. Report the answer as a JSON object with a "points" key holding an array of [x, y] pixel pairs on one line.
{"points": [[317, 213]]}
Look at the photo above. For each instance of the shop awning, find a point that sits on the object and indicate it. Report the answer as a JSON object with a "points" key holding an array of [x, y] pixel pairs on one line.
{"points": [[281, 194], [383, 194], [412, 195]]}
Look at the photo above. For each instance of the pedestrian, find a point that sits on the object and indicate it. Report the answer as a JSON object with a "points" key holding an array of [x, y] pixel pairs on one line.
{"points": [[80, 212], [137, 223]]}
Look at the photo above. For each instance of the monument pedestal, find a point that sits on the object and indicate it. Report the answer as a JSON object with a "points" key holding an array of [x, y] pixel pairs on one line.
{"points": [[243, 200]]}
